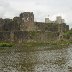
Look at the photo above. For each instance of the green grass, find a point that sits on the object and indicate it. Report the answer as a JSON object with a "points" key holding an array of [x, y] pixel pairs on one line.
{"points": [[33, 44], [5, 44]]}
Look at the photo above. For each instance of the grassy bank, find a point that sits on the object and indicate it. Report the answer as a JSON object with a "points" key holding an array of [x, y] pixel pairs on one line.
{"points": [[38, 46], [35, 46]]}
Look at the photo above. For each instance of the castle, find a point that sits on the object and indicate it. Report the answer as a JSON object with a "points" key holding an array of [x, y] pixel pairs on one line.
{"points": [[23, 28]]}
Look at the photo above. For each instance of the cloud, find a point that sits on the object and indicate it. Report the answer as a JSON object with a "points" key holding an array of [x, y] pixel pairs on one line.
{"points": [[41, 8], [6, 11]]}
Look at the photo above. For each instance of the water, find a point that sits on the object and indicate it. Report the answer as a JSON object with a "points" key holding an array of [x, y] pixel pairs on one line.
{"points": [[37, 61]]}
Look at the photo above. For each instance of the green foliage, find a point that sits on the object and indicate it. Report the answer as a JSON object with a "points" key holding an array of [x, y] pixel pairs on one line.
{"points": [[33, 33], [67, 34], [6, 44]]}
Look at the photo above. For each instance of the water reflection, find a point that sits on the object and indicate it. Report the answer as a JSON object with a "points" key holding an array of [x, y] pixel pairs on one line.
{"points": [[37, 61]]}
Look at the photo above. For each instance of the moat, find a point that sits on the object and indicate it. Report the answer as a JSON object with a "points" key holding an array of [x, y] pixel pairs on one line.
{"points": [[14, 60]]}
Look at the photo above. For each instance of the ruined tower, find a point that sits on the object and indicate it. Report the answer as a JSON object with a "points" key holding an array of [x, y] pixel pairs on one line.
{"points": [[27, 21]]}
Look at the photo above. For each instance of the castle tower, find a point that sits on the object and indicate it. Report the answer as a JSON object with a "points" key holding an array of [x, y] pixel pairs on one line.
{"points": [[47, 20], [59, 20], [27, 23]]}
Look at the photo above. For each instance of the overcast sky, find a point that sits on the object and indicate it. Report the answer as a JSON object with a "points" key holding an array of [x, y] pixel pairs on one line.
{"points": [[41, 9]]}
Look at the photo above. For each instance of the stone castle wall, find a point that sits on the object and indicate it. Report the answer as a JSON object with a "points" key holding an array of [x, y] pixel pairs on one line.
{"points": [[5, 36], [23, 28], [28, 36], [22, 36], [25, 22]]}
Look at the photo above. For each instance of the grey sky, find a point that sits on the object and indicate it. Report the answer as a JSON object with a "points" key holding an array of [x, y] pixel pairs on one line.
{"points": [[41, 9]]}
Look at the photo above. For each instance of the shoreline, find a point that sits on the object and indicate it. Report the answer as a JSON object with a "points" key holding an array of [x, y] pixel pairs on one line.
{"points": [[31, 46]]}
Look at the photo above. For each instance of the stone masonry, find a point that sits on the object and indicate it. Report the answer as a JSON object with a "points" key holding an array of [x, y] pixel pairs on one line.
{"points": [[23, 28]]}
